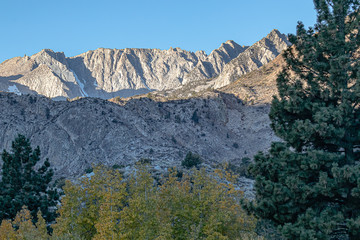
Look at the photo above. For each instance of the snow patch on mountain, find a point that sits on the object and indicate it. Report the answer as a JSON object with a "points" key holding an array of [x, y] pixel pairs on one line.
{"points": [[81, 85], [14, 89]]}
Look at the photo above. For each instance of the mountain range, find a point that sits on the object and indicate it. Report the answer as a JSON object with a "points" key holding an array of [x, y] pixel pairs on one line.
{"points": [[109, 73], [142, 104]]}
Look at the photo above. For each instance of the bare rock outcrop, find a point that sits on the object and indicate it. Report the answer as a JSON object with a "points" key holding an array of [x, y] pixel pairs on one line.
{"points": [[212, 65], [113, 70], [254, 57], [258, 86]]}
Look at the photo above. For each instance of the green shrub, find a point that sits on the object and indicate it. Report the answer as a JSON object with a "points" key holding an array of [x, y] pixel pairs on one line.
{"points": [[118, 166], [191, 160]]}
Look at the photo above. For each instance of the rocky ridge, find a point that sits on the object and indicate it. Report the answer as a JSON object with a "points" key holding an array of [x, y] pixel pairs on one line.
{"points": [[213, 64], [76, 134], [254, 88], [254, 57], [108, 73]]}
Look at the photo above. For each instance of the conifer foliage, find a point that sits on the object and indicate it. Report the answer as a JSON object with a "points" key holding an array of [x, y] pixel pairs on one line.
{"points": [[24, 184], [309, 185]]}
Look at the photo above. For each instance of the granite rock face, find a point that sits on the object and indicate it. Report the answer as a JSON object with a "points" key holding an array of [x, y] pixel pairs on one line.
{"points": [[108, 73], [76, 134], [103, 73], [213, 64], [111, 72], [254, 57]]}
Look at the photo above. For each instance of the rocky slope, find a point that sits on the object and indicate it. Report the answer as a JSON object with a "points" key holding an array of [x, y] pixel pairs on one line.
{"points": [[258, 86], [76, 134], [107, 73], [254, 88]]}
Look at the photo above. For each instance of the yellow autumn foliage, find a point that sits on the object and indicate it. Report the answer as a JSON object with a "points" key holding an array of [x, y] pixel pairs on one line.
{"points": [[7, 231], [26, 230], [200, 205], [91, 209]]}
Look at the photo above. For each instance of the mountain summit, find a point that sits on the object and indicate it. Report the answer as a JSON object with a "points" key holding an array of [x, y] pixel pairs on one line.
{"points": [[254, 57]]}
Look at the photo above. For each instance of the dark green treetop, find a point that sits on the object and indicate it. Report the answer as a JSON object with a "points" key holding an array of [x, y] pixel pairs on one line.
{"points": [[191, 160], [24, 183], [309, 185]]}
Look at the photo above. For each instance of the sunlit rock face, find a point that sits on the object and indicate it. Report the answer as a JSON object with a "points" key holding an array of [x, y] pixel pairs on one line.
{"points": [[254, 57], [108, 73]]}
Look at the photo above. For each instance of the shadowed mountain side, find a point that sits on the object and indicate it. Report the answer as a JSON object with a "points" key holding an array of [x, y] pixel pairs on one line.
{"points": [[10, 78], [76, 134], [14, 87]]}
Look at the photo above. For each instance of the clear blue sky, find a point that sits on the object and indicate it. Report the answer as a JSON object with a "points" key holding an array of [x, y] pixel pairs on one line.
{"points": [[76, 26]]}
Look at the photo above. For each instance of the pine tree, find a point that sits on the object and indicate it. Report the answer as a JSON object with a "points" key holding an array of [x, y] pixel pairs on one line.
{"points": [[25, 184], [191, 160], [309, 184]]}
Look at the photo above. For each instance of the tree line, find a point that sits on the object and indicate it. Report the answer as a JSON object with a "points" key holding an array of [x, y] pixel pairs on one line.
{"points": [[103, 205]]}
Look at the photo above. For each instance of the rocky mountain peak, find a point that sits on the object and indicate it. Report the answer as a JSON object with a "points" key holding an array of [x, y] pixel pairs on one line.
{"points": [[231, 43], [212, 65], [47, 55], [253, 57], [231, 48], [275, 40], [275, 36], [201, 54]]}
